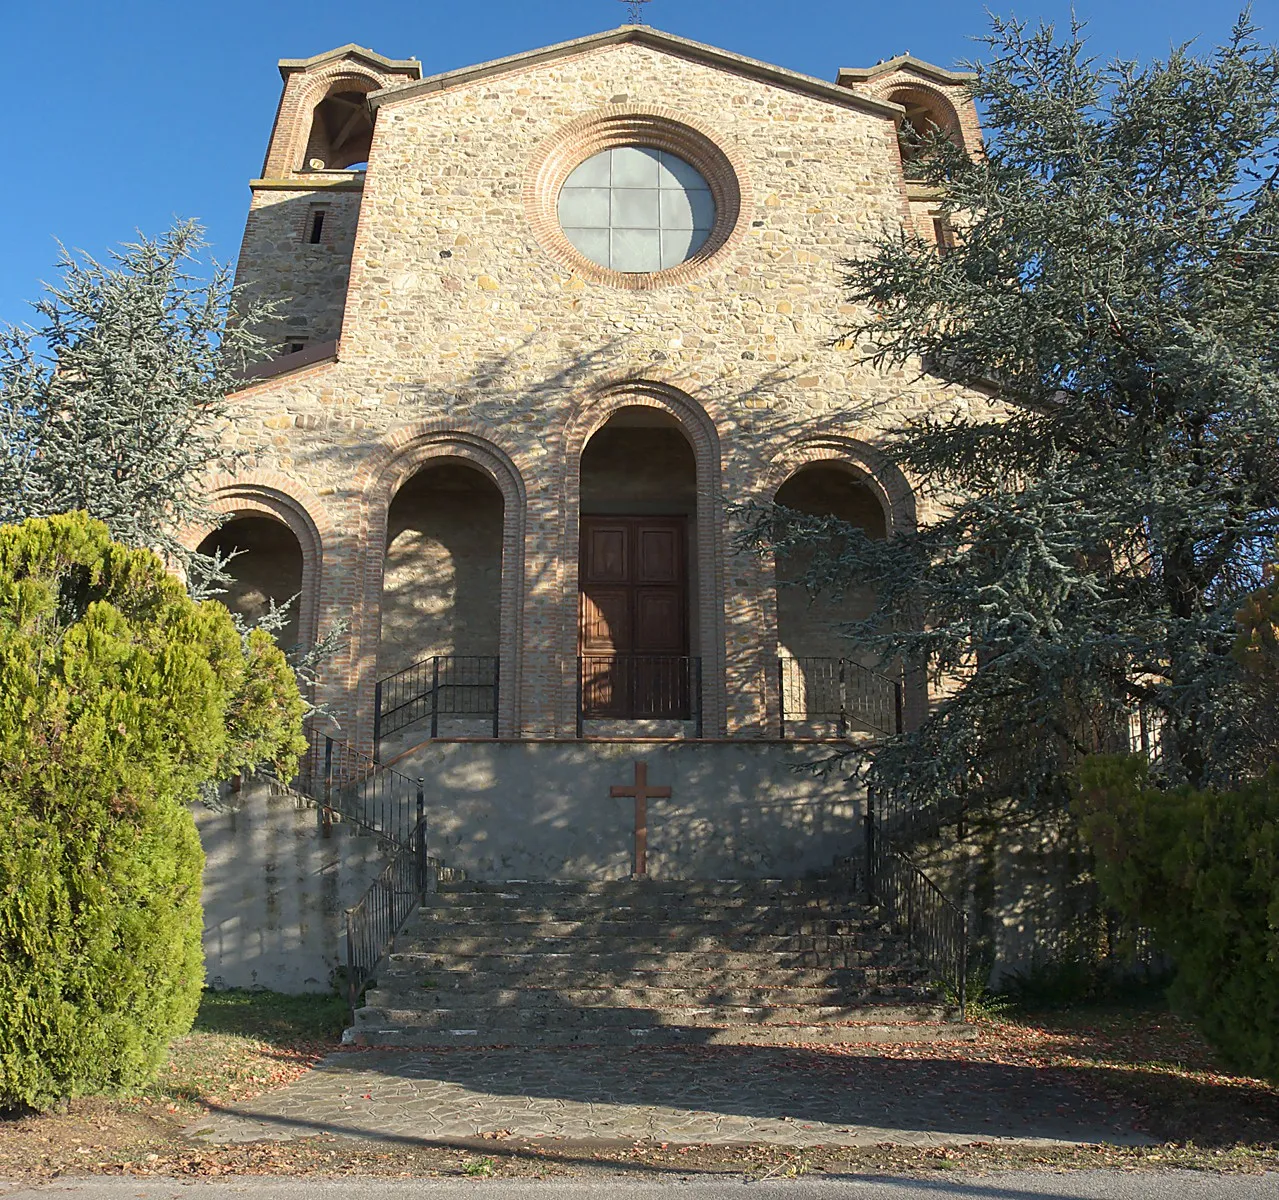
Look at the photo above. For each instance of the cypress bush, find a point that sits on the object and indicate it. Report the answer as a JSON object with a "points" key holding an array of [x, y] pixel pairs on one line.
{"points": [[1200, 868], [120, 698]]}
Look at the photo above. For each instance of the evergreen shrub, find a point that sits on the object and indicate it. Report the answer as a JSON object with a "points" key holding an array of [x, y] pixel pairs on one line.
{"points": [[120, 698], [1201, 869]]}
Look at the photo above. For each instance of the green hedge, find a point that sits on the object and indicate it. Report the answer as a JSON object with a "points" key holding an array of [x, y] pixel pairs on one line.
{"points": [[1198, 868], [119, 698]]}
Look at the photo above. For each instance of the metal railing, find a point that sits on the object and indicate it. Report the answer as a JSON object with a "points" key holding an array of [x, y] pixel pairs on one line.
{"points": [[837, 690], [639, 687], [346, 784], [934, 926], [401, 888], [445, 685], [353, 786]]}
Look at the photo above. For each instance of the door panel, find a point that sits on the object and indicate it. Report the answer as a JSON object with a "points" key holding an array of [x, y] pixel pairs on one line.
{"points": [[633, 635], [659, 556], [659, 625], [606, 620], [606, 557]]}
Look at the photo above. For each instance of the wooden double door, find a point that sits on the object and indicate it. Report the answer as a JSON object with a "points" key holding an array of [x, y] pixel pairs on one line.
{"points": [[633, 618]]}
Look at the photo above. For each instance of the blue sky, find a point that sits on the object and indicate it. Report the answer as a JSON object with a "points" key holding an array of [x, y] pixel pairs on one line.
{"points": [[136, 111]]}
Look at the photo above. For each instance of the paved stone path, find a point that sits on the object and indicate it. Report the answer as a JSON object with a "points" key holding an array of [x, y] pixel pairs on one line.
{"points": [[783, 1096]]}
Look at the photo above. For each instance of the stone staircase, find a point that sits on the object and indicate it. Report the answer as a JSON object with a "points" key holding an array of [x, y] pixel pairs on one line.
{"points": [[644, 963]]}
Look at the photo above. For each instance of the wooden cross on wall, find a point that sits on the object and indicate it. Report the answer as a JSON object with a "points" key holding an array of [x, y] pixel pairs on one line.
{"points": [[641, 791]]}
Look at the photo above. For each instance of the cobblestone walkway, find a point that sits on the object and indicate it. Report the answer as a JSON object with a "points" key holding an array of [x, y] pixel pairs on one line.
{"points": [[782, 1096]]}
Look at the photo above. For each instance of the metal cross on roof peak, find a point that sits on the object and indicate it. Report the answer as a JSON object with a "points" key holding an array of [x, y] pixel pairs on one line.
{"points": [[635, 11]]}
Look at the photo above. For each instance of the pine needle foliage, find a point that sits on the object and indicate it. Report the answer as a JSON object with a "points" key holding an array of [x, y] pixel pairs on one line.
{"points": [[1114, 294], [120, 697], [114, 401]]}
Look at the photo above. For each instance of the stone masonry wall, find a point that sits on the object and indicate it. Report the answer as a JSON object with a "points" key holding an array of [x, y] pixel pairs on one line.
{"points": [[278, 264], [542, 810], [463, 337], [443, 577], [276, 892]]}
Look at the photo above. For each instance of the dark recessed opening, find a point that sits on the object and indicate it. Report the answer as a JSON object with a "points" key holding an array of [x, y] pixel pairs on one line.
{"points": [[317, 227]]}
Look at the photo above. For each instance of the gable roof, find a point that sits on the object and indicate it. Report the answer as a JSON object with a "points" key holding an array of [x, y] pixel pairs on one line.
{"points": [[849, 75], [372, 57], [642, 35]]}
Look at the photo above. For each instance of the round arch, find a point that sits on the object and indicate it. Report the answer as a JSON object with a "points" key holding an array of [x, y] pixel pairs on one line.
{"points": [[348, 127], [885, 479], [590, 415], [379, 482], [897, 499], [303, 514], [922, 100]]}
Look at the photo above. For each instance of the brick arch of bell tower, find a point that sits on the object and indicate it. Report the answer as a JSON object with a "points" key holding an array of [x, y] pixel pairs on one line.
{"points": [[311, 83]]}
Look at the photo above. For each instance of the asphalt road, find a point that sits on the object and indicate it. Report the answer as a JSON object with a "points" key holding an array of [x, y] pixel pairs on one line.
{"points": [[1018, 1185]]}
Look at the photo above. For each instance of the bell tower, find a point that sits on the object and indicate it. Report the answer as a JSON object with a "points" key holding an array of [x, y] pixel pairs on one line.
{"points": [[305, 207]]}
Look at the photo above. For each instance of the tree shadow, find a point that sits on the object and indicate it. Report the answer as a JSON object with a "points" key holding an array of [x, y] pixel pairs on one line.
{"points": [[699, 1094]]}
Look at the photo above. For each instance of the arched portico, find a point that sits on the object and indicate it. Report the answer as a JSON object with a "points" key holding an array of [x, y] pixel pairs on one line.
{"points": [[302, 515], [841, 476], [440, 464], [701, 512]]}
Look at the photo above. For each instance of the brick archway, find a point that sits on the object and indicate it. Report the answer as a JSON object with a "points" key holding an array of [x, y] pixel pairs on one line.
{"points": [[378, 482], [269, 495], [890, 486], [590, 415], [897, 499]]}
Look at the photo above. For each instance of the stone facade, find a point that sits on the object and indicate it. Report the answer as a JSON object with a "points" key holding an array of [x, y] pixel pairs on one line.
{"points": [[466, 337]]}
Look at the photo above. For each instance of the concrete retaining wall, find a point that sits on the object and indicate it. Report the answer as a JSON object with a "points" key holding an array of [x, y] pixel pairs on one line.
{"points": [[542, 810], [276, 891]]}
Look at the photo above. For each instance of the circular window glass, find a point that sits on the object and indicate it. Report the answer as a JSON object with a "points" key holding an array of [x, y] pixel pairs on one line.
{"points": [[636, 209]]}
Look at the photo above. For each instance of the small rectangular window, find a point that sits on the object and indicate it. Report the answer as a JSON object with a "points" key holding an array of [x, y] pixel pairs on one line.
{"points": [[944, 235], [316, 232]]}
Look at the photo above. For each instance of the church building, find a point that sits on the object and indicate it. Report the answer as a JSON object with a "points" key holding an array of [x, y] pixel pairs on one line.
{"points": [[546, 325]]}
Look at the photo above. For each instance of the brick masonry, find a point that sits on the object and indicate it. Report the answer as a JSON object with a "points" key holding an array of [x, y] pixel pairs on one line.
{"points": [[469, 332]]}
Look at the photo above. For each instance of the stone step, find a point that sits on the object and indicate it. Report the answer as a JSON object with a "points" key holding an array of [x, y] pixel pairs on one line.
{"points": [[711, 1016], [511, 961], [400, 993], [627, 925], [685, 941], [523, 974], [663, 963], [484, 907], [748, 1035], [638, 890]]}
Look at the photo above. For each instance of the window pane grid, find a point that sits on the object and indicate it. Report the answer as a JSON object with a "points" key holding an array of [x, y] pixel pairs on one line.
{"points": [[635, 209]]}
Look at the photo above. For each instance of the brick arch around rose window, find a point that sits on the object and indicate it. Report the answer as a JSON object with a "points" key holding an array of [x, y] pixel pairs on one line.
{"points": [[700, 427], [280, 499], [400, 458], [896, 498]]}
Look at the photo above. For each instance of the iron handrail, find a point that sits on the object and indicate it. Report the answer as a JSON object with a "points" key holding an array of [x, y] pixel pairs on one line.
{"points": [[935, 927], [841, 689], [415, 692], [373, 922], [342, 780], [651, 687]]}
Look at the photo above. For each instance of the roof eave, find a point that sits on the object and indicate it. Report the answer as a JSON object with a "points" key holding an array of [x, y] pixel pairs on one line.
{"points": [[410, 65], [642, 35], [851, 75]]}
